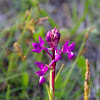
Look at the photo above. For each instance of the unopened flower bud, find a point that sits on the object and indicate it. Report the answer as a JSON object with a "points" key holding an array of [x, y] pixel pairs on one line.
{"points": [[53, 37], [57, 36], [48, 38]]}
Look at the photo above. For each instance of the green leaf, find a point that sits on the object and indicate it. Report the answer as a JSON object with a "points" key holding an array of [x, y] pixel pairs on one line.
{"points": [[10, 77], [49, 94], [8, 93], [25, 79], [81, 65], [59, 73]]}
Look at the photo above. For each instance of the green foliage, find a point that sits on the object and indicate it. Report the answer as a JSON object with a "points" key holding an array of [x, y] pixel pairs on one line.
{"points": [[18, 76], [65, 33], [52, 23], [8, 93], [25, 79], [82, 18], [39, 32], [50, 98], [82, 66], [10, 77], [58, 73]]}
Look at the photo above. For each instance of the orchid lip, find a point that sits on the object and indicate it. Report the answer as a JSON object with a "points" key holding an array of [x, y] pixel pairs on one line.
{"points": [[41, 80]]}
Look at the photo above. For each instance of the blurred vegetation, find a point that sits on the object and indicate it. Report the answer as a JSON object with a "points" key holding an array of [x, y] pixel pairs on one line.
{"points": [[25, 21]]}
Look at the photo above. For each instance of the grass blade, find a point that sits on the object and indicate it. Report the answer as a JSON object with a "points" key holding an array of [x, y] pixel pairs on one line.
{"points": [[8, 93], [59, 73], [49, 94]]}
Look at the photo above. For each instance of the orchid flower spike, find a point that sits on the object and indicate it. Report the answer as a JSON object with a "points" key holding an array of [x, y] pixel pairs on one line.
{"points": [[52, 37]]}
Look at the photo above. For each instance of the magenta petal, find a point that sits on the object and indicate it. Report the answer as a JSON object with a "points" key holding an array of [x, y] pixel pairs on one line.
{"points": [[57, 57], [65, 47], [57, 35], [66, 43], [36, 45], [71, 55], [36, 50], [45, 69], [48, 38], [71, 47], [40, 65], [42, 80], [41, 41], [54, 29], [39, 73]]}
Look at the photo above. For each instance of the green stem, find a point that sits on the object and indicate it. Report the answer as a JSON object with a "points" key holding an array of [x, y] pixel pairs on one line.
{"points": [[51, 89]]}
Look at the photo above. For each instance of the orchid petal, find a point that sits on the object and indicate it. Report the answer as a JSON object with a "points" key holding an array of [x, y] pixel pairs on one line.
{"points": [[71, 55], [36, 50], [36, 45], [65, 47], [39, 73], [40, 65], [41, 80], [71, 47], [48, 38], [45, 69], [41, 41], [57, 57]]}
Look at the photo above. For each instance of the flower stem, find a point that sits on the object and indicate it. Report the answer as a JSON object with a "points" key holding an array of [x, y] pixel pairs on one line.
{"points": [[48, 52], [52, 80], [51, 89], [52, 76]]}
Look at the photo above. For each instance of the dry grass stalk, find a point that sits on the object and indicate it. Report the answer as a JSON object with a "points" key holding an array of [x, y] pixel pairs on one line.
{"points": [[39, 21], [19, 51], [87, 82], [18, 48]]}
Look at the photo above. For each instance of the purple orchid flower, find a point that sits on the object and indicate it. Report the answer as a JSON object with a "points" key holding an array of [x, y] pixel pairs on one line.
{"points": [[52, 37], [42, 72], [38, 46], [68, 49], [42, 68]]}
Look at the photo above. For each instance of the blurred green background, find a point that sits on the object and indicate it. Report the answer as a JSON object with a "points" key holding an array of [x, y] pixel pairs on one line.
{"points": [[22, 22]]}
